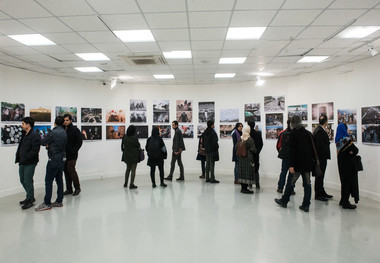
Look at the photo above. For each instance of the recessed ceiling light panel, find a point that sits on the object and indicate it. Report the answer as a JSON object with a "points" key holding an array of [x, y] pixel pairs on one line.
{"points": [[240, 33], [164, 76], [312, 59], [358, 31], [89, 69], [135, 35], [33, 40], [224, 75], [92, 56], [232, 60]]}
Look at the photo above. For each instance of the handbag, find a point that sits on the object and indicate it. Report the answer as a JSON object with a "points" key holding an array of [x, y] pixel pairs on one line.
{"points": [[317, 171], [142, 155], [358, 163]]}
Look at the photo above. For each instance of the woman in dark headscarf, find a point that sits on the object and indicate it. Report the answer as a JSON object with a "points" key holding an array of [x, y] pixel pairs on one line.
{"points": [[236, 134], [156, 150], [348, 172], [130, 147]]}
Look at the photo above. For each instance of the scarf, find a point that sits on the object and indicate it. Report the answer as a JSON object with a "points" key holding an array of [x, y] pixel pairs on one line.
{"points": [[246, 132], [341, 137]]}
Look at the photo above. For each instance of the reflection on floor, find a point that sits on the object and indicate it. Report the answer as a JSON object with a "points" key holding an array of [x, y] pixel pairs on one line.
{"points": [[187, 222]]}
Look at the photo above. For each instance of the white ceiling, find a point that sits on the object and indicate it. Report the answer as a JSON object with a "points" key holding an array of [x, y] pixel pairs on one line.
{"points": [[294, 27]]}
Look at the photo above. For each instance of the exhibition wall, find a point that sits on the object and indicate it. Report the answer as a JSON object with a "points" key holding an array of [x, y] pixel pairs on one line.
{"points": [[350, 87]]}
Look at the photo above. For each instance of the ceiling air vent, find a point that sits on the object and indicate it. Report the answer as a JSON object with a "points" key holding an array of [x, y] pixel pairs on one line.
{"points": [[145, 60]]}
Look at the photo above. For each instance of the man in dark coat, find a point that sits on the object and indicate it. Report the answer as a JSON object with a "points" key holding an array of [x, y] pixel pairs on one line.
{"points": [[210, 142], [256, 136], [322, 146], [301, 156], [74, 142], [178, 147], [27, 158]]}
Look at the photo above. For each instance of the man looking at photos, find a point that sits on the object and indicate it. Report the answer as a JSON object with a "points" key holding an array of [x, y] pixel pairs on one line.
{"points": [[178, 147]]}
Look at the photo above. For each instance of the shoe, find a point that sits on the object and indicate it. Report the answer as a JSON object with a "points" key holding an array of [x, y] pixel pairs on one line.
{"points": [[214, 181], [154, 185], [257, 186], [180, 179], [327, 196], [43, 207], [132, 186], [321, 198], [163, 185], [169, 178], [56, 204], [202, 177], [76, 192], [293, 193], [67, 192], [348, 206], [24, 201], [304, 208], [279, 191], [280, 203], [27, 204], [236, 182], [208, 180], [125, 185], [246, 191]]}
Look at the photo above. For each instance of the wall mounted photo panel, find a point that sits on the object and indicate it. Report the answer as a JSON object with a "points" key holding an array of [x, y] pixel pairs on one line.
{"points": [[11, 135], [187, 131], [60, 111], [91, 133], [161, 117], [138, 117], [200, 129], [137, 105], [142, 132], [371, 115], [329, 129], [165, 131], [184, 105], [40, 114], [371, 134], [226, 131], [206, 111], [252, 112], [347, 116], [272, 132], [229, 115], [274, 119], [115, 116], [12, 111], [319, 109], [184, 116], [114, 132], [298, 110], [161, 111], [91, 115], [274, 103], [42, 130]]}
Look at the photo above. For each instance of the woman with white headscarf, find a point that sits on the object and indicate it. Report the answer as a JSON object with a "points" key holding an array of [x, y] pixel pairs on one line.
{"points": [[246, 163]]}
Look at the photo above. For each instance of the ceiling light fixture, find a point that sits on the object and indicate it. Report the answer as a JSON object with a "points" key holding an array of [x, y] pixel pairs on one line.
{"points": [[372, 51], [92, 56], [312, 59], [89, 69], [240, 33], [263, 74], [33, 40], [232, 60], [340, 30], [177, 54], [224, 75], [358, 31], [164, 76], [135, 35], [259, 82]]}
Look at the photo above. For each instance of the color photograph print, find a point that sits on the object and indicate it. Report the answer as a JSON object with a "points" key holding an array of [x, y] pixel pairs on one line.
{"points": [[142, 132], [60, 111], [298, 110], [42, 130], [274, 103], [138, 117], [184, 105], [161, 117], [10, 135], [371, 134], [347, 116], [187, 131], [40, 114], [115, 116], [12, 111], [371, 115], [226, 131], [200, 129], [319, 109], [272, 132], [352, 131], [165, 131], [137, 105], [184, 116], [329, 129], [115, 132], [252, 112], [229, 115], [274, 119], [92, 133], [91, 115], [206, 111]]}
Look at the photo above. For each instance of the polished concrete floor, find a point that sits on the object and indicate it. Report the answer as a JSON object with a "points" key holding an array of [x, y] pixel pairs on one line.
{"points": [[187, 222]]}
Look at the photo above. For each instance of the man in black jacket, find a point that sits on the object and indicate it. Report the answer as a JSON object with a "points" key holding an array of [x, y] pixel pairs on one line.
{"points": [[322, 146], [210, 142], [27, 158], [256, 136], [74, 142], [178, 147]]}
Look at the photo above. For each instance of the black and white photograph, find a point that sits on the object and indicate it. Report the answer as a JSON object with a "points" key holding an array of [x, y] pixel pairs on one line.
{"points": [[200, 129], [115, 116], [187, 131], [319, 109], [298, 110], [225, 131], [229, 115], [91, 115], [371, 134], [160, 105], [206, 111], [40, 114], [274, 119], [160, 117], [42, 130], [91, 133], [115, 132], [252, 112], [138, 105], [184, 116], [274, 103], [138, 117], [184, 105], [165, 131], [12, 111], [272, 132], [60, 111], [10, 135], [142, 132], [329, 129], [352, 131], [371, 115]]}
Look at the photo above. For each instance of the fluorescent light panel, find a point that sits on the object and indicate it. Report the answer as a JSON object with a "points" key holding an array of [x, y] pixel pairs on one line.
{"points": [[262, 74], [89, 69], [135, 35], [33, 40], [125, 77], [92, 56], [312, 59], [358, 31], [239, 33], [232, 60], [164, 76], [224, 75], [177, 54]]}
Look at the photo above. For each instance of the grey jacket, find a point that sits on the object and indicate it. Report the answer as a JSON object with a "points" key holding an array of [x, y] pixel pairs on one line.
{"points": [[178, 141], [56, 140]]}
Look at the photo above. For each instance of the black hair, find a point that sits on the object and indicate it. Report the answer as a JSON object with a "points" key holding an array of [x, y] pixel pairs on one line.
{"points": [[288, 123], [29, 120], [322, 119], [175, 123], [155, 131], [131, 130], [67, 115], [237, 125], [59, 120], [252, 124], [210, 123]]}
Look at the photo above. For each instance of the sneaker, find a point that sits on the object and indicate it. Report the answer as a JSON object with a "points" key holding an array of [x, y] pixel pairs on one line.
{"points": [[214, 181], [56, 204], [280, 202], [28, 204], [43, 207], [68, 192], [132, 186], [76, 192], [169, 178], [24, 201], [304, 208], [181, 178]]}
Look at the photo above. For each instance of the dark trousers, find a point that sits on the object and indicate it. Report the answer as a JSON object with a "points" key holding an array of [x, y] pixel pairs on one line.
{"points": [[71, 175], [26, 173], [203, 165], [284, 170], [176, 158], [292, 179], [257, 175], [54, 170], [131, 168], [210, 167], [153, 171], [318, 187]]}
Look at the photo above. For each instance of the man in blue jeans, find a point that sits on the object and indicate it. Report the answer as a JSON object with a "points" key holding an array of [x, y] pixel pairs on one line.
{"points": [[55, 143], [282, 147]]}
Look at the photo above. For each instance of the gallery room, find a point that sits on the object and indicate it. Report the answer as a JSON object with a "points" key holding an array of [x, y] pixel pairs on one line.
{"points": [[116, 63]]}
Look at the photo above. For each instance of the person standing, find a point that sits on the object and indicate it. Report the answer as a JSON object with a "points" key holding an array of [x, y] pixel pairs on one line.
{"points": [[201, 156], [256, 136], [130, 147], [27, 158], [210, 140], [322, 146], [236, 134], [178, 147], [55, 143], [74, 142], [156, 150], [282, 147]]}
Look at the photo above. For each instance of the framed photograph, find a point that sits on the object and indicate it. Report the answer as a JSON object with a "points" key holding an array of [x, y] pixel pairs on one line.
{"points": [[298, 110], [11, 135], [274, 119], [160, 105], [226, 131], [114, 132], [42, 130], [252, 112], [229, 115], [12, 111], [40, 114], [91, 133], [371, 115], [60, 111], [142, 132], [165, 131], [184, 116], [329, 129], [272, 132], [91, 115], [187, 131], [371, 134], [115, 116], [319, 109], [138, 105], [184, 105], [161, 117], [274, 103], [200, 129], [206, 111], [138, 117]]}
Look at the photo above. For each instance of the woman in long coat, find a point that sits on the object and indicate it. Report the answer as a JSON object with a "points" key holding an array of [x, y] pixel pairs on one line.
{"points": [[130, 147], [156, 150], [236, 134]]}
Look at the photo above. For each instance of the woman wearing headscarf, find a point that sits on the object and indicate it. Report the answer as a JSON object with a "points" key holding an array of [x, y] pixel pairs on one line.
{"points": [[130, 147], [236, 134], [246, 163], [348, 173], [156, 150]]}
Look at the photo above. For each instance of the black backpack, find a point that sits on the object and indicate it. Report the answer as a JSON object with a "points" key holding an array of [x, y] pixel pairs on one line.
{"points": [[283, 143], [154, 148]]}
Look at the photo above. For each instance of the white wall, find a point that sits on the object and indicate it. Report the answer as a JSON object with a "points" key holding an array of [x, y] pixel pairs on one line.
{"points": [[354, 89]]}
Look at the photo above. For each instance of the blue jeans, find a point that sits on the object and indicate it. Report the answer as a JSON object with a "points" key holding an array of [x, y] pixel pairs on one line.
{"points": [[284, 170], [292, 179], [54, 170], [26, 173]]}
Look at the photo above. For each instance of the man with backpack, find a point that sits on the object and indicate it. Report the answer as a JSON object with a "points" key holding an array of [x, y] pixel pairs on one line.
{"points": [[282, 147]]}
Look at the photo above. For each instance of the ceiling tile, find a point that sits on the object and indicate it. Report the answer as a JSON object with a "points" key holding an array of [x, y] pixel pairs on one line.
{"points": [[321, 32], [67, 7], [258, 4], [13, 27], [324, 51], [337, 43], [281, 33], [305, 43], [112, 47], [66, 57], [114, 6], [207, 45], [240, 44], [302, 4], [23, 9], [84, 23], [23, 50], [295, 17], [201, 5], [125, 21], [337, 17], [150, 47], [174, 45], [235, 53], [45, 25], [244, 18], [369, 19], [209, 19], [354, 4], [206, 54], [51, 50], [4, 16], [98, 37], [9, 42], [167, 20], [80, 48], [171, 34], [162, 6], [65, 38], [208, 33]]}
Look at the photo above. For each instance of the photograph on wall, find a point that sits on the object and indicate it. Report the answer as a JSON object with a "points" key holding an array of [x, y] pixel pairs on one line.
{"points": [[138, 117], [371, 115], [60, 111], [42, 130], [142, 132], [187, 131], [91, 115], [161, 117], [272, 132], [329, 129], [347, 116], [229, 115], [115, 116], [114, 132], [40, 114], [137, 105], [12, 111], [165, 131], [259, 127], [184, 116], [206, 111], [274, 103], [10, 135], [274, 119], [319, 109], [226, 131], [200, 129], [91, 133], [161, 111], [184, 110], [298, 110], [371, 133], [252, 112]]}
